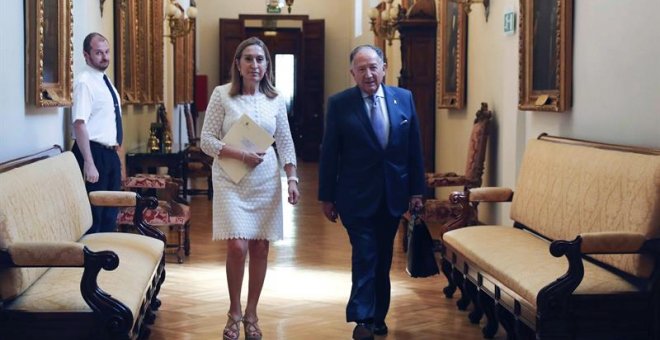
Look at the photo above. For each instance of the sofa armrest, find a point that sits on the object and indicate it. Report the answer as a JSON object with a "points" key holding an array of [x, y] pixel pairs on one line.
{"points": [[491, 194], [130, 199], [612, 242], [46, 254], [113, 198]]}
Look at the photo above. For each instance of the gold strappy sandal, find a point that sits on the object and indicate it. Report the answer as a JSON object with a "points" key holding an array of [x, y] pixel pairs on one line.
{"points": [[232, 329], [252, 330]]}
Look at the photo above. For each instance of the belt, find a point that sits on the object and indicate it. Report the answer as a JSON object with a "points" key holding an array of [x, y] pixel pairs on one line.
{"points": [[103, 146]]}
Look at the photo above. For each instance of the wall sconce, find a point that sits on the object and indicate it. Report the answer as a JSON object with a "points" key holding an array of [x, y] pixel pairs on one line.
{"points": [[289, 3], [385, 18], [468, 3], [180, 24]]}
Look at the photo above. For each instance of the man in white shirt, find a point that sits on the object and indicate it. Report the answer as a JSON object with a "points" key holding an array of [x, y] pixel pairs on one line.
{"points": [[97, 126]]}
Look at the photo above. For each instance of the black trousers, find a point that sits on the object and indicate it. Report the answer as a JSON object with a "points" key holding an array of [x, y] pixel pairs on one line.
{"points": [[109, 168], [372, 241]]}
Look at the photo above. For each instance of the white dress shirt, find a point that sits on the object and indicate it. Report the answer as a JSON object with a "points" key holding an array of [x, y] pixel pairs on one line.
{"points": [[93, 104]]}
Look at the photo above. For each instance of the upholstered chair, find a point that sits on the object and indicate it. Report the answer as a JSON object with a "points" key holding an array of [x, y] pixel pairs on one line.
{"points": [[172, 214], [443, 212]]}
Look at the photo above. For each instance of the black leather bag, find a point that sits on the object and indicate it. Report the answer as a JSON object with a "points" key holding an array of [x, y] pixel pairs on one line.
{"points": [[421, 260]]}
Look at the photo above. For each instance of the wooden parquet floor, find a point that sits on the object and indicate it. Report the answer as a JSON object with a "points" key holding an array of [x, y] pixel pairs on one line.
{"points": [[307, 284]]}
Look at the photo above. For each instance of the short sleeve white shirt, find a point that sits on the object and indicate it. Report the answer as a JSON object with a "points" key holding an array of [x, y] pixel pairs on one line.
{"points": [[93, 104]]}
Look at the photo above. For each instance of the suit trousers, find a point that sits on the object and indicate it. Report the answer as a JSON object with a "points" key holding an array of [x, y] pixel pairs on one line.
{"points": [[109, 167], [372, 240]]}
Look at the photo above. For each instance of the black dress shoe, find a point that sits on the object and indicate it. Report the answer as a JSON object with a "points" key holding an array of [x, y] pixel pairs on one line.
{"points": [[362, 331], [380, 328]]}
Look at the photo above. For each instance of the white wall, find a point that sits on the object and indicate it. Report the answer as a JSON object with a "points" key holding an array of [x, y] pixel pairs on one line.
{"points": [[23, 129], [615, 83], [27, 129]]}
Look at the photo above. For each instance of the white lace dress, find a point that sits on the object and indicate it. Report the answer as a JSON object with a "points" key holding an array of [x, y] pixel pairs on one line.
{"points": [[252, 208]]}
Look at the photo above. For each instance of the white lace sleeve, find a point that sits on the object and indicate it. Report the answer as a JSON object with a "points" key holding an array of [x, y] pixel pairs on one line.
{"points": [[210, 139], [283, 140]]}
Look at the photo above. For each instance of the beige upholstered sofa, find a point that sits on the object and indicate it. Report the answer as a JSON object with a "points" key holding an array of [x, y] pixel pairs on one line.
{"points": [[581, 261], [55, 281]]}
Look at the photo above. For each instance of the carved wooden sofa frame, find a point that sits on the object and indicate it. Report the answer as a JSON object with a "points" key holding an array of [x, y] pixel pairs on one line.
{"points": [[55, 283], [582, 259]]}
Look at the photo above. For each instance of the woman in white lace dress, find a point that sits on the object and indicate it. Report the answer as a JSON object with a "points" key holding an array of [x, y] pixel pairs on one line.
{"points": [[248, 214]]}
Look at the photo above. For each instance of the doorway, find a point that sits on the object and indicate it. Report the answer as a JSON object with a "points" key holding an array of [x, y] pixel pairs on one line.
{"points": [[296, 45]]}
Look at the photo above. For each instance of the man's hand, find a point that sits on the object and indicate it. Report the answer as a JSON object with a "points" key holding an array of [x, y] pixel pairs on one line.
{"points": [[330, 211], [416, 204], [91, 173]]}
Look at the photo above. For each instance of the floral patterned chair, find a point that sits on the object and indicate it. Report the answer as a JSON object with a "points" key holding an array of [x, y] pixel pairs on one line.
{"points": [[172, 212]]}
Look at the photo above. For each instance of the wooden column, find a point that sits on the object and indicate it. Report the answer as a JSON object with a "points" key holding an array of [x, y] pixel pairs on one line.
{"points": [[418, 60]]}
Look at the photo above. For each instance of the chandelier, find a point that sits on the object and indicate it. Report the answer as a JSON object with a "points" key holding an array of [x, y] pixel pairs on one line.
{"points": [[180, 24], [385, 19]]}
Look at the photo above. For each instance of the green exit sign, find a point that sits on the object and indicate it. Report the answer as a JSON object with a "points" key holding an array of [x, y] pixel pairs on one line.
{"points": [[509, 23]]}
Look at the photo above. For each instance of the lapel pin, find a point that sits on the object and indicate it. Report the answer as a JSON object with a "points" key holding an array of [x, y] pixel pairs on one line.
{"points": [[394, 101]]}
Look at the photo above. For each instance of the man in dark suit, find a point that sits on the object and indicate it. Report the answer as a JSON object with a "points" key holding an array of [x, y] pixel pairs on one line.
{"points": [[370, 172]]}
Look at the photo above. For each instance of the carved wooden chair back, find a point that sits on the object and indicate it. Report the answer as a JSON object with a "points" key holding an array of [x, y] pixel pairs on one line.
{"points": [[474, 168], [190, 125], [196, 163]]}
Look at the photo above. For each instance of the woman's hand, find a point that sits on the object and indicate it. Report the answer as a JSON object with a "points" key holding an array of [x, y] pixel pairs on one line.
{"points": [[294, 194], [252, 159]]}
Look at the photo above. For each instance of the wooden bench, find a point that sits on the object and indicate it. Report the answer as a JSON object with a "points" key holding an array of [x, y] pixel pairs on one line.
{"points": [[581, 261], [55, 281]]}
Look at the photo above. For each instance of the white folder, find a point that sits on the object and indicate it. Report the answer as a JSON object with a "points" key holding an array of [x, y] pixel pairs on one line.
{"points": [[247, 135]]}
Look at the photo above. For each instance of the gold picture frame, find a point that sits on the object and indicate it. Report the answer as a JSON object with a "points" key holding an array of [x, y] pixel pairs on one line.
{"points": [[184, 67], [126, 51], [139, 51], [546, 55], [452, 53], [49, 51]]}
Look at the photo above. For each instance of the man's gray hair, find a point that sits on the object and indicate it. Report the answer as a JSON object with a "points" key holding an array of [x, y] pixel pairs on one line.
{"points": [[378, 51]]}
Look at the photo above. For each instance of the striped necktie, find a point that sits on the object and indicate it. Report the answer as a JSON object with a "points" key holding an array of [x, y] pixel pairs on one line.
{"points": [[377, 121]]}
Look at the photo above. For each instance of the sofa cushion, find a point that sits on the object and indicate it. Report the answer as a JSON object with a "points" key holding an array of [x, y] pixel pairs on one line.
{"points": [[58, 290], [564, 190], [42, 201], [522, 261]]}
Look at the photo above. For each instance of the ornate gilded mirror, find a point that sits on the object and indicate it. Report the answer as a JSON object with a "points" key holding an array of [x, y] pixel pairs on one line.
{"points": [[452, 52], [139, 51], [546, 55], [49, 51]]}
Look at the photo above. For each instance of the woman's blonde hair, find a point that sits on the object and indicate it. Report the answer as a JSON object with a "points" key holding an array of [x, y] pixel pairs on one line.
{"points": [[266, 83]]}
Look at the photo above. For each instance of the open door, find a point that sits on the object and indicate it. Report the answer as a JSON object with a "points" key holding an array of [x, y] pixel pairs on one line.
{"points": [[297, 53]]}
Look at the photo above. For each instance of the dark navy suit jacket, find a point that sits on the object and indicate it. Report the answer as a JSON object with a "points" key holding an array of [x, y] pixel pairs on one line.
{"points": [[355, 172]]}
